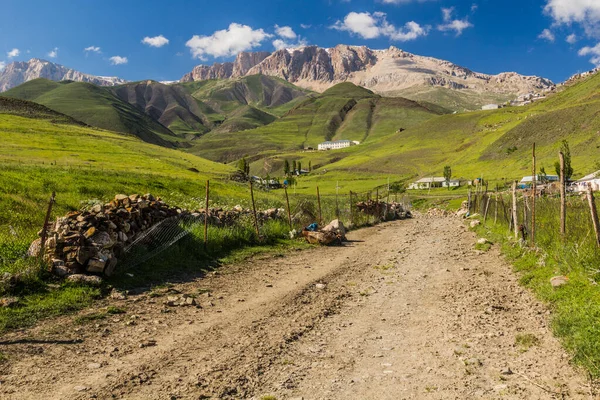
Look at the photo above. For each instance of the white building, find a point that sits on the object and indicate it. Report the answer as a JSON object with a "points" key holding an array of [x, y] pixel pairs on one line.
{"points": [[592, 179], [528, 180], [433, 182], [338, 144], [490, 107]]}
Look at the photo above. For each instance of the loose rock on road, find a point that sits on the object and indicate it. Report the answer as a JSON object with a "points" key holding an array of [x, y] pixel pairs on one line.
{"points": [[406, 310]]}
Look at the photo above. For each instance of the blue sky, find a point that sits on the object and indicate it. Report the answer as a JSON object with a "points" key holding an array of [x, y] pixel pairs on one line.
{"points": [[549, 38]]}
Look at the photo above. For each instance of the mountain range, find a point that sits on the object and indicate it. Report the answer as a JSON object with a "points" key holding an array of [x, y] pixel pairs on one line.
{"points": [[391, 73]]}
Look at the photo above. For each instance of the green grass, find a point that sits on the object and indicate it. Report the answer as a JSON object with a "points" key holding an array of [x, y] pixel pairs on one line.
{"points": [[575, 306]]}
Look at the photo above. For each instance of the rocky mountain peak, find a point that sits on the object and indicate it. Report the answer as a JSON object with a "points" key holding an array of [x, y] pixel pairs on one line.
{"points": [[19, 72], [387, 72]]}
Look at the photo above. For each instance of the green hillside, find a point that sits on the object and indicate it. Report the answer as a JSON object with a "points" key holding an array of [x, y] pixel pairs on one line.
{"points": [[345, 111], [95, 106]]}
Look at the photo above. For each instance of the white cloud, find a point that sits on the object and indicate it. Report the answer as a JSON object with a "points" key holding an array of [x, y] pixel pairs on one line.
{"points": [[2, 65], [547, 35], [93, 49], [456, 25], [571, 39], [305, 26], [282, 44], [118, 60], [371, 26], [285, 32], [156, 41], [591, 51], [53, 53], [474, 7], [227, 42], [584, 12], [13, 53]]}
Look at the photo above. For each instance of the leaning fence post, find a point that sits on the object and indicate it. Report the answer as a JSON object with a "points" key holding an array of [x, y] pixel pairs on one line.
{"points": [[514, 210], [496, 207], [287, 199], [563, 196], [534, 193], [206, 215], [319, 202], [45, 227], [590, 196], [469, 201], [254, 210]]}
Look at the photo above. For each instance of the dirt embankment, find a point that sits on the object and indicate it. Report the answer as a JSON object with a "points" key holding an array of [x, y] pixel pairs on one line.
{"points": [[407, 310]]}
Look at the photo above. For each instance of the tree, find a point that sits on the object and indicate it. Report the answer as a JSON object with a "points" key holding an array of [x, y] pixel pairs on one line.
{"points": [[564, 148], [286, 167], [310, 166], [243, 166], [447, 175], [294, 168], [299, 166]]}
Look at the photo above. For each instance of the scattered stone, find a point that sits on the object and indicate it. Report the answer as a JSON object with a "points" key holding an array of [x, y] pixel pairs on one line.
{"points": [[81, 388], [320, 286], [94, 366], [85, 279], [558, 281], [475, 223], [9, 301], [506, 371], [483, 241], [147, 343], [118, 295]]}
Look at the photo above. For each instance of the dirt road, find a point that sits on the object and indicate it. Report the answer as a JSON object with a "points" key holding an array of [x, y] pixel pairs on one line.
{"points": [[407, 310]]}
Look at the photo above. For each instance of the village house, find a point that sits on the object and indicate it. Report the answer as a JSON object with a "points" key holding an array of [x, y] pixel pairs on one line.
{"points": [[338, 144], [490, 107], [592, 180], [527, 181], [433, 182]]}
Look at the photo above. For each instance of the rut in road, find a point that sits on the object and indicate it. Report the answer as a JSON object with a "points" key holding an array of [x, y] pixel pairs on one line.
{"points": [[406, 310]]}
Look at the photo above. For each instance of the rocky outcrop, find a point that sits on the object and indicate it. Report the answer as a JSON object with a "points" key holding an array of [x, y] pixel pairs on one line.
{"points": [[205, 72], [17, 73], [245, 61], [386, 72]]}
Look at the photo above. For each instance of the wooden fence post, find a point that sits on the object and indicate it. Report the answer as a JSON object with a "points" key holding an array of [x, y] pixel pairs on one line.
{"points": [[351, 210], [45, 227], [206, 215], [563, 196], [287, 199], [469, 201], [487, 206], [533, 196], [514, 210], [377, 208], [590, 196], [254, 210], [319, 202], [496, 207]]}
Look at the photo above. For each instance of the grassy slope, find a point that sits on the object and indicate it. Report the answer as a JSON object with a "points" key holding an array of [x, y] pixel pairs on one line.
{"points": [[476, 143], [95, 106], [345, 111]]}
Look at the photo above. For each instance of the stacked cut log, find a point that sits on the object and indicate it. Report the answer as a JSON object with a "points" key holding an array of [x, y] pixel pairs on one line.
{"points": [[91, 241], [387, 211]]}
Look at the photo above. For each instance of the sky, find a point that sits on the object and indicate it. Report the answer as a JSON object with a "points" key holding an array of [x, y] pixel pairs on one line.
{"points": [[160, 40]]}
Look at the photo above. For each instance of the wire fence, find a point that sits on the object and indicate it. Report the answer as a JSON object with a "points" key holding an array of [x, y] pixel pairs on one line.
{"points": [[536, 221], [268, 216]]}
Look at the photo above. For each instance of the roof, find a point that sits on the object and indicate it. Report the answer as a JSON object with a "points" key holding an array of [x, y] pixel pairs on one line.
{"points": [[595, 175], [430, 179], [337, 141], [530, 178]]}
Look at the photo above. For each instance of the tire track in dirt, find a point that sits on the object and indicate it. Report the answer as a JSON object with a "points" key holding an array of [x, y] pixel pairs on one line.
{"points": [[408, 310]]}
